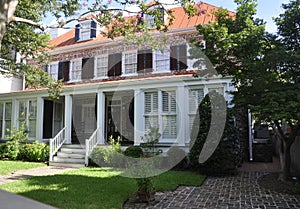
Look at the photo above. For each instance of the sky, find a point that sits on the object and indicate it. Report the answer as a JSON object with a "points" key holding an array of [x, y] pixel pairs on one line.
{"points": [[266, 9]]}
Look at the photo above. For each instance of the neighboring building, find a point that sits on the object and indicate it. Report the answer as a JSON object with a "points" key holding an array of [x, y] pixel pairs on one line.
{"points": [[115, 89]]}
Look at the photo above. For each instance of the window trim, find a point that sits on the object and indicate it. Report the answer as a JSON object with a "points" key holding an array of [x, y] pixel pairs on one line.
{"points": [[72, 70], [96, 67], [26, 118], [166, 60], [124, 63], [4, 119], [54, 75]]}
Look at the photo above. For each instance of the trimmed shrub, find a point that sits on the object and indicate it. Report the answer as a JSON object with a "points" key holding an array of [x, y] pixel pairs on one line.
{"points": [[98, 156], [177, 157], [35, 152], [133, 151], [227, 156]]}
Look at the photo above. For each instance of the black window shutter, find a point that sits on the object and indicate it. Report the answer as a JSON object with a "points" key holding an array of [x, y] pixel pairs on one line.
{"points": [[144, 61], [93, 29], [115, 64], [77, 31], [178, 57], [63, 70], [87, 68]]}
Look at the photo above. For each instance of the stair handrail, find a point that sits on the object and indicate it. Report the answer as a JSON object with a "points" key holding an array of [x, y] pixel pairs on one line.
{"points": [[90, 144], [56, 143]]}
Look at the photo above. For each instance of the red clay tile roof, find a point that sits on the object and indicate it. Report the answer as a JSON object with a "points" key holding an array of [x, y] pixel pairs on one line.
{"points": [[181, 21]]}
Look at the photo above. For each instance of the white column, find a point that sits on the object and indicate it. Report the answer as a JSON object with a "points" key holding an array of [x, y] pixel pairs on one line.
{"points": [[68, 118], [182, 117], [138, 116], [101, 115], [39, 118], [15, 113]]}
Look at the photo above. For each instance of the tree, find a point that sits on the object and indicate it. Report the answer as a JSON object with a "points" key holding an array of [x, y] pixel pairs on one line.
{"points": [[264, 66], [21, 30]]}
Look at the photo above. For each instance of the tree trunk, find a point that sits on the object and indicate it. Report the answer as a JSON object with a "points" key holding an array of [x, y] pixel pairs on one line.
{"points": [[287, 161]]}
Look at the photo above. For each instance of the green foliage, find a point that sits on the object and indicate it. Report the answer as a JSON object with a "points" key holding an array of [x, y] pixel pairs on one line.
{"points": [[133, 151], [11, 149], [175, 154], [227, 155], [101, 187], [35, 152], [108, 156]]}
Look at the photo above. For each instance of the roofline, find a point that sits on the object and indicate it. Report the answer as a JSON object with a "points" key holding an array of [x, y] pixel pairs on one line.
{"points": [[91, 44]]}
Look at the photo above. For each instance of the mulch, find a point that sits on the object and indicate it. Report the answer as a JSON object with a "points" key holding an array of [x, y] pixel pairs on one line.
{"points": [[272, 182]]}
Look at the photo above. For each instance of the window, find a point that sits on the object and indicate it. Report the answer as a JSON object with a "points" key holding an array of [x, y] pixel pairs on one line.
{"points": [[76, 70], [86, 30], [27, 115], [162, 60], [144, 61], [178, 57], [53, 70], [88, 68], [5, 118], [130, 62], [151, 110], [101, 67], [195, 98], [161, 111], [63, 70]]}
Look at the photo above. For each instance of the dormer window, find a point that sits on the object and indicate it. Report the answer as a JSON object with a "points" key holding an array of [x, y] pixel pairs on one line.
{"points": [[86, 30], [150, 19]]}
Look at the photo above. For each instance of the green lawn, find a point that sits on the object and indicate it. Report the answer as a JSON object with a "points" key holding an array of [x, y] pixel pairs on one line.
{"points": [[89, 188], [7, 166]]}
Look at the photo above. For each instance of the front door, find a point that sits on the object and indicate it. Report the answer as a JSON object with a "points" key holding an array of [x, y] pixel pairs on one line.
{"points": [[120, 117], [88, 119]]}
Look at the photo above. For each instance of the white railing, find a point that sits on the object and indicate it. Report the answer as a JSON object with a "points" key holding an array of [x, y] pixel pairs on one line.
{"points": [[56, 143], [90, 144]]}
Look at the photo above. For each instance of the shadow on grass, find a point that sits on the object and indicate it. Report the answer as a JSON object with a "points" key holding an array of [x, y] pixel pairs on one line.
{"points": [[82, 189]]}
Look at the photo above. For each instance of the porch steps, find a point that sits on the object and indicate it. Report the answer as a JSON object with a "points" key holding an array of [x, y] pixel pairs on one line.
{"points": [[70, 156]]}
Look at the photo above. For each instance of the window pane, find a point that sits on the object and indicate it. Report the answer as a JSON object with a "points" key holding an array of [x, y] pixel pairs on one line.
{"points": [[7, 127], [32, 109], [76, 70], [150, 121], [169, 101], [162, 60], [130, 63], [32, 127], [195, 98], [169, 126], [1, 126], [8, 111], [151, 102], [102, 66]]}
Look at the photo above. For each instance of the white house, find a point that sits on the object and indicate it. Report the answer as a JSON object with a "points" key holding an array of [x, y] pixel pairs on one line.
{"points": [[114, 89]]}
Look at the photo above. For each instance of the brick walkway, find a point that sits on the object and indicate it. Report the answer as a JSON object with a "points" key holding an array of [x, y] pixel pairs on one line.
{"points": [[240, 191]]}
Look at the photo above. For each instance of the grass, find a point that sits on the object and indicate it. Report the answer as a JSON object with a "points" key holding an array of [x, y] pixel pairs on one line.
{"points": [[90, 188], [7, 166]]}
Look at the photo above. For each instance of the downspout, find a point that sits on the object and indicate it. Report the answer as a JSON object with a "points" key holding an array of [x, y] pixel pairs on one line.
{"points": [[250, 135]]}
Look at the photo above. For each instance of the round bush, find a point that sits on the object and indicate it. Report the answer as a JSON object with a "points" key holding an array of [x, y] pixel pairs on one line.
{"points": [[98, 156], [133, 151], [35, 152]]}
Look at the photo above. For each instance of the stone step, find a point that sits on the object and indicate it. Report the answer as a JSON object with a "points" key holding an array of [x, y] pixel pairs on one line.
{"points": [[68, 160], [67, 165], [73, 146], [71, 155], [72, 150]]}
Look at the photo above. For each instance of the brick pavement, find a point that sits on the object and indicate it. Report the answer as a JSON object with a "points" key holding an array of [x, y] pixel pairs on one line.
{"points": [[232, 192]]}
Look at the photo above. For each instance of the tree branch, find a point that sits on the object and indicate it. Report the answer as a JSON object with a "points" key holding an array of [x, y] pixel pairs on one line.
{"points": [[30, 22]]}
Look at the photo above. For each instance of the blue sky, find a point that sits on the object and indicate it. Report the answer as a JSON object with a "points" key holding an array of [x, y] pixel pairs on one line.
{"points": [[266, 9]]}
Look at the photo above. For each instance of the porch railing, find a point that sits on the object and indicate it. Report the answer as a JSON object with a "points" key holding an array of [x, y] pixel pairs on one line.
{"points": [[90, 144], [56, 143]]}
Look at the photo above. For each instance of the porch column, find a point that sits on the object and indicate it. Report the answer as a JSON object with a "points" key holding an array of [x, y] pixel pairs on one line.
{"points": [[182, 119], [101, 115], [138, 116], [15, 113], [68, 118], [39, 118]]}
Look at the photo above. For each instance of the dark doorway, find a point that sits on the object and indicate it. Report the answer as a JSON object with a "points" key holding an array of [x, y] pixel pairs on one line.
{"points": [[48, 119], [120, 117]]}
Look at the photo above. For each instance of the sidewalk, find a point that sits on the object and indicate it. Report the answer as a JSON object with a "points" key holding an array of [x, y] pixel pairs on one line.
{"points": [[40, 171]]}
